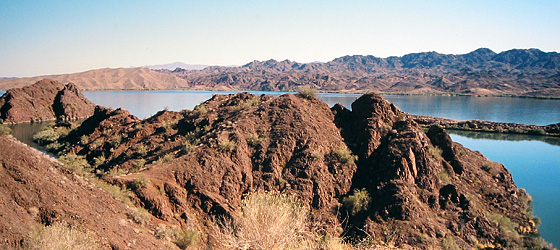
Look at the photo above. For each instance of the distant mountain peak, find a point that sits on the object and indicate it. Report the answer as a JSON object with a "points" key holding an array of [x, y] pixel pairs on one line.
{"points": [[175, 65]]}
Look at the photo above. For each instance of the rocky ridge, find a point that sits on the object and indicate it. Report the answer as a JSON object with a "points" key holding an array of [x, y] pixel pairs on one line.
{"points": [[43, 101], [425, 191]]}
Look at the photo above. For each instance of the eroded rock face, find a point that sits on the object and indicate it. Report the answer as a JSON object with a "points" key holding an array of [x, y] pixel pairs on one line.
{"points": [[424, 188], [43, 101]]}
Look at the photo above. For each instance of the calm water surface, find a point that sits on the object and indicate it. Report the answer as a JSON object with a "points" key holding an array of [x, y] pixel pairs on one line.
{"points": [[534, 165]]}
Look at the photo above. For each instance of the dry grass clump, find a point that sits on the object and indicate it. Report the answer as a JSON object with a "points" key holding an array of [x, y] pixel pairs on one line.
{"points": [[267, 220], [61, 236]]}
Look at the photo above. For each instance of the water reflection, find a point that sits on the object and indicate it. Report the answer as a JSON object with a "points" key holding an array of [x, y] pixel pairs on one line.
{"points": [[506, 137]]}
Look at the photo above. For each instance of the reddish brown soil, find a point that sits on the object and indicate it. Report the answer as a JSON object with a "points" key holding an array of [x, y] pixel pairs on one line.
{"points": [[36, 191], [45, 100], [424, 188]]}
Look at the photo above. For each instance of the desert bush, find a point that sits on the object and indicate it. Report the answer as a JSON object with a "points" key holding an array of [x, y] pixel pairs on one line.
{"points": [[201, 109], [75, 163], [246, 104], [5, 130], [267, 220], [46, 136], [188, 146], [188, 239], [163, 159], [227, 146], [138, 164], [61, 236], [140, 215], [507, 228], [435, 152], [448, 243], [444, 177], [357, 202], [141, 149], [141, 181], [253, 140], [308, 93], [98, 161], [344, 155]]}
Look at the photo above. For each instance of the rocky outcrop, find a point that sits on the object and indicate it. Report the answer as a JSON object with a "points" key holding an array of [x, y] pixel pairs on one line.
{"points": [[36, 190], [424, 189], [43, 101]]}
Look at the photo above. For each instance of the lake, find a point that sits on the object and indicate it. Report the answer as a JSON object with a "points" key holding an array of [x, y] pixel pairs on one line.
{"points": [[534, 161]]}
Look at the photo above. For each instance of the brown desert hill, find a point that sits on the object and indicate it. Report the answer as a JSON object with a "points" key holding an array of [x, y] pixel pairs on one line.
{"points": [[36, 190], [45, 100], [108, 79], [406, 187]]}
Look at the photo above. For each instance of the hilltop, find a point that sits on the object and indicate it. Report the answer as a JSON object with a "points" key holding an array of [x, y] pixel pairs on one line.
{"points": [[520, 72]]}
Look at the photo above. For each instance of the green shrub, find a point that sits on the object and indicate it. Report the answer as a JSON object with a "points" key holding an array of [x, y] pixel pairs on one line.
{"points": [[46, 136], [75, 163], [201, 109], [141, 149], [537, 131], [188, 239], [227, 146], [435, 152], [141, 181], [357, 202], [163, 159], [254, 140], [5, 130], [246, 104], [308, 93], [188, 146], [60, 235], [98, 161], [138, 164], [344, 155], [140, 216], [448, 243]]}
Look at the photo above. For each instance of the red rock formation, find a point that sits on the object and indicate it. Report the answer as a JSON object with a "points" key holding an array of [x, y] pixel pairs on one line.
{"points": [[45, 100]]}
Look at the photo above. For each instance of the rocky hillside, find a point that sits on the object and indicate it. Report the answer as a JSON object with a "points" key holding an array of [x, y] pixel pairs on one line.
{"points": [[37, 191], [371, 174], [529, 72], [45, 100]]}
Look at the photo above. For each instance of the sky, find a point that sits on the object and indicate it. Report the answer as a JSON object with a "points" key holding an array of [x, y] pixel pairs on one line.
{"points": [[55, 37]]}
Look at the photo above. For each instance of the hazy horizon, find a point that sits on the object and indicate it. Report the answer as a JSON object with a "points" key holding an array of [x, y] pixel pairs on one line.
{"points": [[46, 38]]}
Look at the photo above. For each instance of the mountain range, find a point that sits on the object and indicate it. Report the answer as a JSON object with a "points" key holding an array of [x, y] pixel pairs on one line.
{"points": [[521, 72]]}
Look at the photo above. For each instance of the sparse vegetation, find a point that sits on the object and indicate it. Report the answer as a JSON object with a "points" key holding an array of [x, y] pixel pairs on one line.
{"points": [[201, 109], [141, 149], [246, 104], [138, 164], [76, 164], [267, 220], [448, 243], [344, 155], [507, 228], [163, 159], [5, 130], [189, 239], [227, 146], [435, 152], [444, 177], [357, 202], [253, 140], [308, 93], [141, 181], [140, 215], [60, 235]]}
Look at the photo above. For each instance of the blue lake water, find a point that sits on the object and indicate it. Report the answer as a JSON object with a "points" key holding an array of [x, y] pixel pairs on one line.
{"points": [[534, 161]]}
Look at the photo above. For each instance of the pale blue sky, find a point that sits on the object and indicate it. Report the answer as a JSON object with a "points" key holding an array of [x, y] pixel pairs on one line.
{"points": [[52, 37]]}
